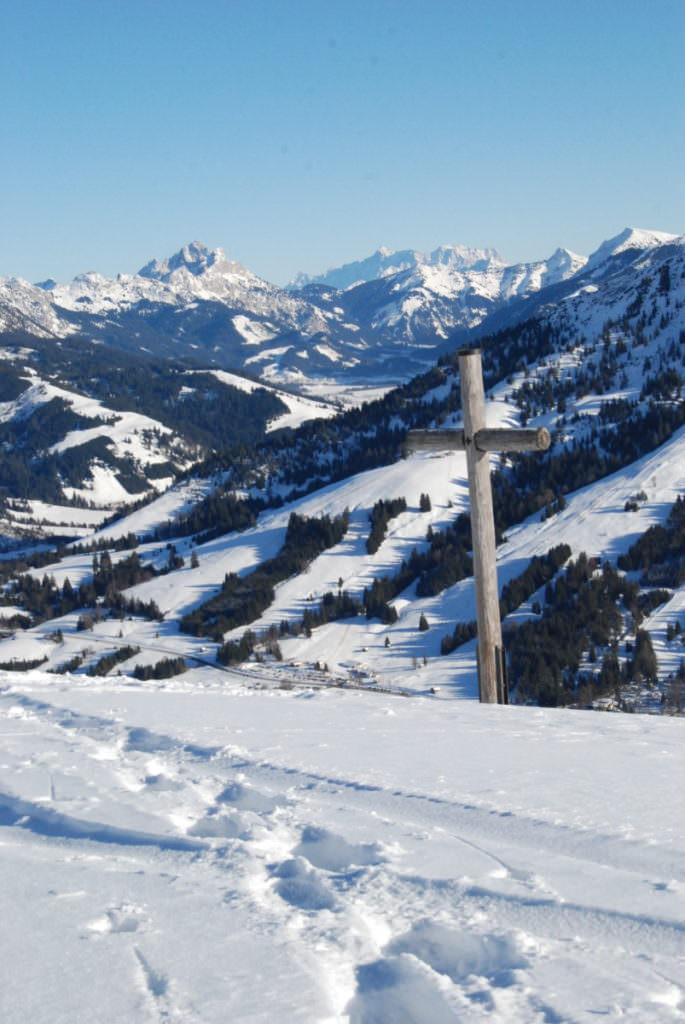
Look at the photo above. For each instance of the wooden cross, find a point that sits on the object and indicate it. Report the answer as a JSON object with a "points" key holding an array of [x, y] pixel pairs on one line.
{"points": [[477, 441]]}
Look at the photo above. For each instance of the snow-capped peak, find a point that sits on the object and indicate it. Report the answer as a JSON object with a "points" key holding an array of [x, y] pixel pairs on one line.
{"points": [[564, 259], [91, 279], [629, 238], [193, 273], [462, 257], [196, 259], [387, 262]]}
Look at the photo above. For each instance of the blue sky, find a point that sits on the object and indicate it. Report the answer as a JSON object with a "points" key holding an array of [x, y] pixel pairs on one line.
{"points": [[300, 135]]}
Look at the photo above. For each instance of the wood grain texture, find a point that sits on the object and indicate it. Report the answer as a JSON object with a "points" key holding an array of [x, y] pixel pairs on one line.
{"points": [[489, 439], [482, 527]]}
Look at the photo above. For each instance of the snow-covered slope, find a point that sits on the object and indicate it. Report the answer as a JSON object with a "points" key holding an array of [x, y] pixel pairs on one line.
{"points": [[200, 851], [629, 238], [400, 654], [104, 459], [300, 408]]}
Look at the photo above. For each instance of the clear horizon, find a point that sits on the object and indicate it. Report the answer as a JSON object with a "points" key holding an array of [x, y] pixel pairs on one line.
{"points": [[296, 140]]}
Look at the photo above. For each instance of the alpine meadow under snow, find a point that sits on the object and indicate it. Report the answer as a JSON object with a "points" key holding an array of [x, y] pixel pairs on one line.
{"points": [[203, 851], [245, 775]]}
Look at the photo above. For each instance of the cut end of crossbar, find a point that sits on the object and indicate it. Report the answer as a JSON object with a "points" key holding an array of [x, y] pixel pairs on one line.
{"points": [[508, 439], [436, 440]]}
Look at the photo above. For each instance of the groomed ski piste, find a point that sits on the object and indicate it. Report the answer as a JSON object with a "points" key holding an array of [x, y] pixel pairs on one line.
{"points": [[217, 846]]}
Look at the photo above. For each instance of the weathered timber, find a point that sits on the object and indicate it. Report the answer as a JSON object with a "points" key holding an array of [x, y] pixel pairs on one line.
{"points": [[482, 527], [436, 440], [489, 439], [477, 441]]}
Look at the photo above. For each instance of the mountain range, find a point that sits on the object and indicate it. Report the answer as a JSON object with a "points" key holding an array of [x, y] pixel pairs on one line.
{"points": [[253, 523], [152, 347], [381, 319]]}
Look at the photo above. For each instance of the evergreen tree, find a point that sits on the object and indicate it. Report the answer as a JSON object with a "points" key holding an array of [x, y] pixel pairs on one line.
{"points": [[644, 665]]}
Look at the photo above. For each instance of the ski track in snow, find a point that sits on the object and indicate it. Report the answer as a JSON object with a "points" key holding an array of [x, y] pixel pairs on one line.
{"points": [[374, 900]]}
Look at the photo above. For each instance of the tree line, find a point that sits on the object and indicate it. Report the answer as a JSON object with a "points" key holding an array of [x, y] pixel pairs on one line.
{"points": [[242, 599], [540, 570]]}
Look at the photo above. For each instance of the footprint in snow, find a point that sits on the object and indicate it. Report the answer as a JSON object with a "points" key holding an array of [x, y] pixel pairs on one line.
{"points": [[405, 984], [218, 823], [330, 852], [299, 882], [459, 955], [301, 887], [126, 917], [146, 742], [232, 821], [399, 989], [162, 782], [249, 799]]}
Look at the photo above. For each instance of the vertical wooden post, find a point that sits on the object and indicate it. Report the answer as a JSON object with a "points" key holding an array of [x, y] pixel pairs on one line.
{"points": [[491, 685], [476, 440]]}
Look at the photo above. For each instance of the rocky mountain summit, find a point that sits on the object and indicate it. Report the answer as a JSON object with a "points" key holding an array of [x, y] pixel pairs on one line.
{"points": [[382, 318]]}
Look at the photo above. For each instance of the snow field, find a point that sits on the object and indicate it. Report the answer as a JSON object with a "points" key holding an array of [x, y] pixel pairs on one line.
{"points": [[197, 854]]}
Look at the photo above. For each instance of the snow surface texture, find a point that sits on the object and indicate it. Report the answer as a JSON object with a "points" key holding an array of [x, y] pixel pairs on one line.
{"points": [[197, 852]]}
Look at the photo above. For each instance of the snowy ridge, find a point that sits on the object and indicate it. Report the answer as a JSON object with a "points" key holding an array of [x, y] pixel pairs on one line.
{"points": [[300, 408], [525, 278], [629, 238], [119, 429], [24, 306], [608, 290], [390, 310], [386, 263], [195, 273], [435, 300], [131, 437]]}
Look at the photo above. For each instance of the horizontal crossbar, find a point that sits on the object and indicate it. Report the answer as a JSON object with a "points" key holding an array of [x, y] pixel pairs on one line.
{"points": [[496, 439]]}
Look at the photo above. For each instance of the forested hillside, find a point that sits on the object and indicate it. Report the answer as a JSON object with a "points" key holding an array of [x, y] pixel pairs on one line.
{"points": [[592, 595]]}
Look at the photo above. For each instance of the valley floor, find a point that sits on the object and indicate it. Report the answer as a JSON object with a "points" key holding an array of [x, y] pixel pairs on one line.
{"points": [[190, 852]]}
